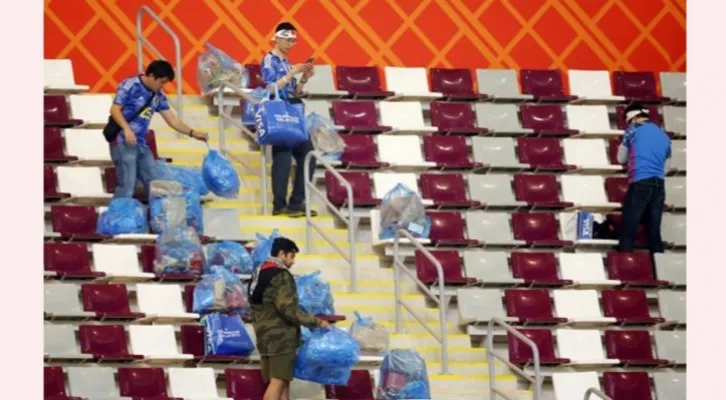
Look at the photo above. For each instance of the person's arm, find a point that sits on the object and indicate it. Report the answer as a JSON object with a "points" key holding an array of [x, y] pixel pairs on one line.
{"points": [[299, 89], [286, 301], [624, 147], [667, 163], [117, 114], [270, 78], [179, 126]]}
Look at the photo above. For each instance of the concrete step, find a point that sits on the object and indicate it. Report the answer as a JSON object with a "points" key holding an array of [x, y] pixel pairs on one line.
{"points": [[456, 354], [408, 326], [295, 234], [344, 299], [474, 387], [178, 145], [332, 261], [406, 340], [271, 221], [322, 246], [364, 273], [383, 313], [369, 286]]}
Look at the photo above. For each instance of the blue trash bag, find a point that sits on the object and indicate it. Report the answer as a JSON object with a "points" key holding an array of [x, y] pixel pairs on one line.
{"points": [[403, 376], [250, 107], [215, 67], [179, 250], [225, 335], [324, 136], [189, 177], [166, 206], [402, 208], [263, 247], [220, 290], [327, 357], [220, 176], [280, 123], [314, 294], [194, 213], [371, 337], [231, 255], [124, 215], [306, 333]]}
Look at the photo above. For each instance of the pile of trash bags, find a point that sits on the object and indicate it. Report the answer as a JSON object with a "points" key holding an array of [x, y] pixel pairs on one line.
{"points": [[327, 357], [403, 376], [230, 255], [371, 337], [124, 215], [179, 250], [215, 67], [220, 290], [188, 177], [219, 175], [402, 208], [314, 294], [263, 247], [225, 335], [325, 138]]}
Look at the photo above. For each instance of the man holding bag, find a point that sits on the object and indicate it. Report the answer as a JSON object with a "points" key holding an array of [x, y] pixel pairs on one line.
{"points": [[279, 75]]}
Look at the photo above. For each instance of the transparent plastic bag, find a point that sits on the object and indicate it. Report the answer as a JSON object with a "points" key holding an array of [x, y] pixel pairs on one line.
{"points": [[403, 376], [327, 357], [263, 247], [124, 215], [402, 208], [220, 176], [220, 290], [324, 136], [179, 250], [314, 294], [371, 336], [250, 107], [215, 67], [194, 214], [166, 206], [231, 255], [189, 177]]}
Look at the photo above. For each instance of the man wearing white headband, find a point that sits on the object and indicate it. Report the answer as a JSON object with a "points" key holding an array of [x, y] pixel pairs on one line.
{"points": [[645, 149], [277, 70]]}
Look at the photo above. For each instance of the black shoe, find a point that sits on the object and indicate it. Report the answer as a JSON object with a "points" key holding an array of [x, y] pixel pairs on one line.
{"points": [[282, 211], [298, 213]]}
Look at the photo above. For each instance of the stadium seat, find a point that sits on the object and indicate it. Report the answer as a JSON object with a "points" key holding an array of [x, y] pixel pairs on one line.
{"points": [[674, 120], [586, 192], [477, 305], [162, 303], [445, 190], [389, 151], [50, 185], [627, 385], [521, 354], [500, 85], [590, 155], [244, 383], [57, 114], [105, 343], [148, 255], [591, 120], [628, 307], [120, 261], [670, 385], [68, 260], [58, 77], [672, 305], [491, 228], [453, 83], [539, 229], [583, 347], [92, 109], [83, 184], [192, 343], [544, 85], [108, 301], [447, 229], [404, 117], [678, 156], [489, 267], [500, 119], [61, 301], [542, 154], [109, 182], [585, 269], [641, 239], [142, 382], [360, 152], [321, 84], [569, 231], [450, 264], [545, 120], [616, 187], [592, 87], [361, 82], [156, 343], [87, 145], [223, 224], [192, 383], [673, 86], [321, 107], [357, 117], [574, 385], [631, 347], [580, 306], [539, 191], [359, 387], [531, 306], [632, 269], [671, 267], [454, 119], [54, 384], [447, 152], [496, 153], [637, 86], [536, 268], [92, 382], [653, 115], [75, 221], [360, 183], [54, 146], [59, 343], [494, 190], [384, 182], [409, 83], [675, 188], [674, 229]]}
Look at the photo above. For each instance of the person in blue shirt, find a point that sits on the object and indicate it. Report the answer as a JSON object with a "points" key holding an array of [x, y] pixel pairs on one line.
{"points": [[277, 70], [137, 99], [645, 149]]}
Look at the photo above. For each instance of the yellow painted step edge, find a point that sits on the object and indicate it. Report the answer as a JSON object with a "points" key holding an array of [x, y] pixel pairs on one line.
{"points": [[456, 377], [387, 296], [361, 283]]}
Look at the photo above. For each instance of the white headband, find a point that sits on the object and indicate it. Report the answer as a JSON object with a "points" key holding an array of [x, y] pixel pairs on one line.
{"points": [[285, 34], [633, 113]]}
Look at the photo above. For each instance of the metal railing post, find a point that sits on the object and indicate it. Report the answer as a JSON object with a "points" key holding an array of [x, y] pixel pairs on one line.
{"points": [[596, 392], [492, 357]]}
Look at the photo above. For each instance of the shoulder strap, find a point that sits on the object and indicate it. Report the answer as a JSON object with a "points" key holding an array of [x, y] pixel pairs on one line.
{"points": [[140, 110]]}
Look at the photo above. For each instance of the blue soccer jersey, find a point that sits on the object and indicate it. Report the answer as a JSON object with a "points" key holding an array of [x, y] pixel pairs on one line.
{"points": [[648, 148], [273, 69], [131, 95]]}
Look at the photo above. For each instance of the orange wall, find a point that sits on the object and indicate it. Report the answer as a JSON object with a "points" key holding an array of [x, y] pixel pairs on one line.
{"points": [[99, 35]]}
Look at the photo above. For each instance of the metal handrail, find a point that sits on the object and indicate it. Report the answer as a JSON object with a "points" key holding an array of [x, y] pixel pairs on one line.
{"points": [[491, 356], [349, 219], [141, 41], [227, 116], [440, 300], [597, 392]]}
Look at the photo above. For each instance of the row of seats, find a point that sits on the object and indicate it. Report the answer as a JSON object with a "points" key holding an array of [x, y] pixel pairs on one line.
{"points": [[570, 306], [68, 145], [160, 383], [622, 385]]}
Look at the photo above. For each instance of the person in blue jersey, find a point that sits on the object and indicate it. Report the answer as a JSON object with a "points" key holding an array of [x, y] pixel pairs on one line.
{"points": [[137, 99], [645, 149], [277, 70]]}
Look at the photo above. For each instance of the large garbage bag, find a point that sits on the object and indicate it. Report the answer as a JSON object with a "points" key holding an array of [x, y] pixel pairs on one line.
{"points": [[324, 136], [263, 247], [215, 67], [327, 357], [220, 176], [166, 205], [371, 336], [314, 294], [232, 256], [189, 177], [124, 215], [403, 376], [219, 290], [402, 208], [179, 250]]}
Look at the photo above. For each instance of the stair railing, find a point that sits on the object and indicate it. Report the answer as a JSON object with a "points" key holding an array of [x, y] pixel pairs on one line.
{"points": [[492, 356], [596, 392]]}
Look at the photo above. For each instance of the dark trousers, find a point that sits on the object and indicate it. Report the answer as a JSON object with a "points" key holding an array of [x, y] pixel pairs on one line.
{"points": [[281, 163], [644, 202]]}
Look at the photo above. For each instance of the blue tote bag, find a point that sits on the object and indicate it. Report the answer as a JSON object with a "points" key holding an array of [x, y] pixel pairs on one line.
{"points": [[280, 123]]}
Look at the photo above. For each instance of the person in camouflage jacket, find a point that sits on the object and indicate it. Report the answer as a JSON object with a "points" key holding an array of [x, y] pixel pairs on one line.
{"points": [[277, 317]]}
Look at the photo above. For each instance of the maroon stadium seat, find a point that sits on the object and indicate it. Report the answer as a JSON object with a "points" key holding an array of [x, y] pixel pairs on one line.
{"points": [[56, 112], [105, 342], [628, 306], [531, 306], [537, 229], [361, 82], [359, 387], [448, 152], [147, 383], [151, 141], [357, 117], [450, 263], [255, 76], [54, 386], [361, 184], [192, 342], [360, 152], [521, 354], [634, 268], [536, 268], [454, 119], [539, 190], [54, 146], [445, 190], [244, 384], [50, 185], [641, 237], [109, 180], [627, 385], [545, 120], [108, 301], [454, 83], [69, 260], [447, 229], [148, 255], [541, 153], [544, 85], [613, 145], [636, 86], [616, 187], [75, 221], [631, 347]]}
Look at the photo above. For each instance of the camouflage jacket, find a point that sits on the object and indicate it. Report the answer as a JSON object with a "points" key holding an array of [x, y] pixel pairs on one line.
{"points": [[276, 315]]}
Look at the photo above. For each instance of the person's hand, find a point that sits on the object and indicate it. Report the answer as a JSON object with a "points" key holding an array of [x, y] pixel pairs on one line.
{"points": [[307, 74], [324, 324], [203, 136], [130, 136], [300, 68]]}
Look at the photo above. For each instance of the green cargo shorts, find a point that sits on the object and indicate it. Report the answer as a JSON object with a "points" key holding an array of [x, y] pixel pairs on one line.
{"points": [[279, 366]]}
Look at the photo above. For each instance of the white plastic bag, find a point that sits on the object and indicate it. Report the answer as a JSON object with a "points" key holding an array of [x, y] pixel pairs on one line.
{"points": [[371, 337], [402, 208], [324, 136], [215, 67]]}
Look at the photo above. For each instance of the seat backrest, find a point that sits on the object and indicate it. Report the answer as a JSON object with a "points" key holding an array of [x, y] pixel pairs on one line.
{"points": [[635, 84], [589, 153], [492, 189], [539, 151], [244, 383], [673, 85], [671, 267], [536, 188], [61, 298], [105, 298], [630, 303], [406, 79], [451, 80], [360, 183], [58, 73], [255, 75], [579, 344], [577, 304], [153, 340], [54, 384], [192, 383], [477, 304], [624, 385], [634, 266], [321, 107], [672, 305], [497, 117], [115, 259], [359, 387], [76, 220], [674, 119], [670, 385], [401, 114], [450, 115], [451, 150], [80, 181], [359, 149], [87, 144], [92, 382], [498, 82], [103, 340], [678, 155], [66, 257], [542, 117], [159, 299], [493, 227], [389, 149], [55, 109], [385, 181], [322, 81], [589, 84], [628, 344], [612, 150], [528, 303], [535, 226], [446, 225], [443, 187], [616, 187], [542, 82], [583, 189], [192, 336], [487, 266], [534, 266], [222, 223], [520, 352], [142, 382], [588, 118], [355, 113], [582, 267], [59, 340], [573, 385], [358, 79], [675, 187], [50, 182], [53, 143], [494, 151], [91, 107], [450, 265]]}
